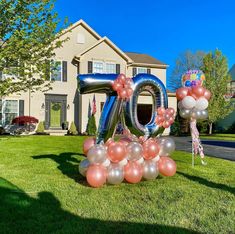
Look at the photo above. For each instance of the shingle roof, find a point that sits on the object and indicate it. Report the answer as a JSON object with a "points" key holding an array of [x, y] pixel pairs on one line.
{"points": [[143, 58], [232, 72]]}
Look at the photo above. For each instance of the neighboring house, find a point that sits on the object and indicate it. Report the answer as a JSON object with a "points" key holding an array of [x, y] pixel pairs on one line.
{"points": [[229, 119], [84, 52]]}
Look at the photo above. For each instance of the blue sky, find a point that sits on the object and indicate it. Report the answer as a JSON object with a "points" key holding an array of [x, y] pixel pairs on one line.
{"points": [[163, 28]]}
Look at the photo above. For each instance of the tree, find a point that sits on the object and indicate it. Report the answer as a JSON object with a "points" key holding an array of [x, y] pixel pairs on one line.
{"points": [[29, 35], [73, 129], [186, 61], [215, 67], [91, 125]]}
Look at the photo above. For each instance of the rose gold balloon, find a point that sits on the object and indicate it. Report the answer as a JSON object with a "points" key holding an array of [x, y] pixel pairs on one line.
{"points": [[160, 110], [166, 124], [122, 79], [171, 120], [198, 91], [190, 93], [87, 144], [133, 172], [167, 116], [123, 93], [109, 141], [150, 149], [167, 166], [116, 85], [159, 119], [129, 92], [170, 110], [181, 93], [207, 94], [116, 152], [126, 132], [96, 175]]}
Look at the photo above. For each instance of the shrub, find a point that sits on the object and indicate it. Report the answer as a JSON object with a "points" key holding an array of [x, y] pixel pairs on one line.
{"points": [[91, 126], [72, 129], [231, 129], [23, 120], [40, 128], [2, 130], [175, 129]]}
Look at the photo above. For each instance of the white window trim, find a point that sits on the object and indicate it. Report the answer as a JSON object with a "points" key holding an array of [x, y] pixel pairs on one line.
{"points": [[104, 65], [3, 107], [61, 70], [137, 69]]}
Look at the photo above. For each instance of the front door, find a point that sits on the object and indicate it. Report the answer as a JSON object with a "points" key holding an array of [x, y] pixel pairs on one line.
{"points": [[55, 114]]}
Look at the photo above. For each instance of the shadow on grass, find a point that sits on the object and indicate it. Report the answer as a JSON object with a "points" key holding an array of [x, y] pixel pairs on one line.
{"points": [[67, 164], [20, 213], [208, 183]]}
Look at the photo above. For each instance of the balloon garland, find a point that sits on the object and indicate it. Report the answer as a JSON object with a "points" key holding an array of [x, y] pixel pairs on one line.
{"points": [[137, 154], [193, 102]]}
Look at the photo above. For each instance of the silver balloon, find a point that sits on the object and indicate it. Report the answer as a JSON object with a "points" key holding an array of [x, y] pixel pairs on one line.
{"points": [[180, 106], [204, 114], [115, 174], [156, 159], [97, 154], [196, 114], [134, 151], [150, 170], [102, 83], [106, 163], [185, 113], [140, 161], [83, 166], [150, 83], [167, 147]]}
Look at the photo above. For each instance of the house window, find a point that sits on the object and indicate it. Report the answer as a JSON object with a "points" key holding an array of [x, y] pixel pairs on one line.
{"points": [[9, 109], [9, 73], [56, 70], [98, 67], [110, 68], [141, 70], [102, 67]]}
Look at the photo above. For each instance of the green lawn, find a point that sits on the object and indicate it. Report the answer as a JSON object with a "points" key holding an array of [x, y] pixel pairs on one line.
{"points": [[42, 192], [224, 137]]}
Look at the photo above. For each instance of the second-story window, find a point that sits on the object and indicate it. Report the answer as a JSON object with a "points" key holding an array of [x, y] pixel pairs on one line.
{"points": [[102, 67], [98, 67], [141, 70], [110, 68], [56, 70]]}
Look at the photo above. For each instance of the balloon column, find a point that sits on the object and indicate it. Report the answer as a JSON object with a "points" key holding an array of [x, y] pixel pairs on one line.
{"points": [[193, 101], [132, 157]]}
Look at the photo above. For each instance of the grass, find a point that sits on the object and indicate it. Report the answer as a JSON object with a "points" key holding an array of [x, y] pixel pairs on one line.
{"points": [[42, 192], [224, 137]]}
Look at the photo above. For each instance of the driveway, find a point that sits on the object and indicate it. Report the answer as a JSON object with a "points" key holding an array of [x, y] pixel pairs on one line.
{"points": [[213, 148]]}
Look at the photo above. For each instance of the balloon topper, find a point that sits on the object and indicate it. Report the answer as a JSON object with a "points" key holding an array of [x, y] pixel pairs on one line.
{"points": [[193, 78]]}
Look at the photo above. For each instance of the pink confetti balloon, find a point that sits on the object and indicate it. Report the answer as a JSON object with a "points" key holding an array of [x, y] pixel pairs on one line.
{"points": [[150, 149], [96, 175], [133, 172], [87, 144], [167, 166], [116, 152], [181, 93]]}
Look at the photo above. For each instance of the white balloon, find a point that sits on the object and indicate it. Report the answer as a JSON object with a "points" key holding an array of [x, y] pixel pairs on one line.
{"points": [[97, 154], [140, 161], [106, 163], [156, 159], [188, 102], [83, 166], [123, 162], [201, 104]]}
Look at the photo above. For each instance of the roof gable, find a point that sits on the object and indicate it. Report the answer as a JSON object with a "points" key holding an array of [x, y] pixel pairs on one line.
{"points": [[109, 43], [85, 25]]}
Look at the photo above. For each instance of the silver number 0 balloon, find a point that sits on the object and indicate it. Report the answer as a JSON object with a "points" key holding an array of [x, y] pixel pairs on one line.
{"points": [[102, 83]]}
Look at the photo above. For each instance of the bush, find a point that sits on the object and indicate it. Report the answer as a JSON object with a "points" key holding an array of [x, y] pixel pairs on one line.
{"points": [[231, 129], [24, 120], [91, 126], [40, 128], [2, 130], [202, 126], [175, 129], [72, 129]]}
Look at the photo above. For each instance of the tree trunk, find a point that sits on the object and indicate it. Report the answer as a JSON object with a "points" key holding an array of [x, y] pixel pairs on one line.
{"points": [[210, 128]]}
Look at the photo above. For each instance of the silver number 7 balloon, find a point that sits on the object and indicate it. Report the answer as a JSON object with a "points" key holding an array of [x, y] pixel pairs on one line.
{"points": [[102, 83]]}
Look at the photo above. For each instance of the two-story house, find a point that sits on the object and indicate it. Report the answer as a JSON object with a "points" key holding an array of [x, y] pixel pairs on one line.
{"points": [[85, 52]]}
